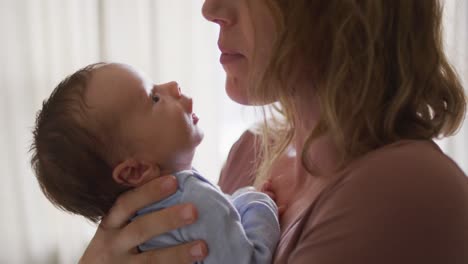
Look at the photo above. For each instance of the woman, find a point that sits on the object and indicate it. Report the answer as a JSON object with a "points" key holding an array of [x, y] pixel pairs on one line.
{"points": [[363, 87]]}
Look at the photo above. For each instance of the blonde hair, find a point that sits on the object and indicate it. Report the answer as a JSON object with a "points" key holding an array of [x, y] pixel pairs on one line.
{"points": [[379, 73]]}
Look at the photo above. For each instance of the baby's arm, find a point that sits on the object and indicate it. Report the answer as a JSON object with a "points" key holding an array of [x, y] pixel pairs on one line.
{"points": [[259, 215], [244, 231]]}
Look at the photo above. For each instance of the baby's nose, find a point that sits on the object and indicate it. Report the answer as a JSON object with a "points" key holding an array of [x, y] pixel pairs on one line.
{"points": [[173, 89]]}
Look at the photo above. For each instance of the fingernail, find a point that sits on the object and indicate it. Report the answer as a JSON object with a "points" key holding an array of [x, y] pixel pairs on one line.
{"points": [[197, 251], [187, 214]]}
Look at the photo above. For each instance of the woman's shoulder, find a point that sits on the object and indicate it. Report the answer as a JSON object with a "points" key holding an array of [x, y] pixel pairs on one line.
{"points": [[406, 198], [405, 171], [412, 160]]}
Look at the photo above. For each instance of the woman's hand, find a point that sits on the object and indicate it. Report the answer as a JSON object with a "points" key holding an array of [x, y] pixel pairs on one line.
{"points": [[116, 239]]}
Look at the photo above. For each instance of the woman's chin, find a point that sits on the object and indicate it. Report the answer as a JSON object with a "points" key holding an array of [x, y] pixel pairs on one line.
{"points": [[236, 91]]}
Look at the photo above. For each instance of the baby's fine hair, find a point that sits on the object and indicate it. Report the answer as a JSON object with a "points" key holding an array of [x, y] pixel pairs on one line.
{"points": [[67, 157]]}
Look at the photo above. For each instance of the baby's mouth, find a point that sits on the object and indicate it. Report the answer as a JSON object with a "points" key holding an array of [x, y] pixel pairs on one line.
{"points": [[195, 118]]}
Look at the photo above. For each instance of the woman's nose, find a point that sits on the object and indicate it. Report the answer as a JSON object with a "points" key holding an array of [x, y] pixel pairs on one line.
{"points": [[214, 11], [172, 89]]}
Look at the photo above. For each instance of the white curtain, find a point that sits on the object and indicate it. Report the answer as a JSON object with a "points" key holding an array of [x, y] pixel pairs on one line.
{"points": [[44, 40], [456, 45], [41, 41]]}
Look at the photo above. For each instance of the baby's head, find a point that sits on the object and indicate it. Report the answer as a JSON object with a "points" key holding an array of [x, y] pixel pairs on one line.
{"points": [[105, 129]]}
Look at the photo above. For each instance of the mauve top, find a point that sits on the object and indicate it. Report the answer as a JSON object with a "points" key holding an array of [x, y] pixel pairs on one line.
{"points": [[404, 203]]}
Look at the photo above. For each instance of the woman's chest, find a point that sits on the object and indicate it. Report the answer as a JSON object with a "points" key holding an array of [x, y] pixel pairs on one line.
{"points": [[292, 197], [293, 206], [292, 223], [300, 199]]}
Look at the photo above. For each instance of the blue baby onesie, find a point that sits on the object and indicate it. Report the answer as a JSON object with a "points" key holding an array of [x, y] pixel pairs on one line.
{"points": [[239, 229]]}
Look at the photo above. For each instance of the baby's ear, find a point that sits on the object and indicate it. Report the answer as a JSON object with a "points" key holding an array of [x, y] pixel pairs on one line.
{"points": [[133, 173]]}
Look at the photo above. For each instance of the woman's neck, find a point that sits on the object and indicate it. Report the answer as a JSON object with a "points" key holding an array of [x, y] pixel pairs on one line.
{"points": [[321, 153]]}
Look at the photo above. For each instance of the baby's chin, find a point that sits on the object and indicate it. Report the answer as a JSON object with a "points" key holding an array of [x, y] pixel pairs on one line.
{"points": [[199, 137]]}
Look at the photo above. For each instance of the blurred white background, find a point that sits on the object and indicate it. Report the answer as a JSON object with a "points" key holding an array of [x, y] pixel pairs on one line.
{"points": [[44, 40]]}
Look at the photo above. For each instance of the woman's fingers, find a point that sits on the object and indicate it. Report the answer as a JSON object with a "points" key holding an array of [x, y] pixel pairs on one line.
{"points": [[131, 201], [116, 239], [182, 254], [141, 229]]}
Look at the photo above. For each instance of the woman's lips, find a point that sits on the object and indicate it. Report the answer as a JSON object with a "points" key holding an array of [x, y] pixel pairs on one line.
{"points": [[227, 58], [195, 118]]}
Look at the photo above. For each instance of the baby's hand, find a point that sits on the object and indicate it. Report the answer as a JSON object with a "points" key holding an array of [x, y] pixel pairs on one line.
{"points": [[267, 188]]}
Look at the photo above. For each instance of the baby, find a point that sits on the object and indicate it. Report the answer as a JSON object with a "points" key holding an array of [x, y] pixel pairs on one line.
{"points": [[107, 128]]}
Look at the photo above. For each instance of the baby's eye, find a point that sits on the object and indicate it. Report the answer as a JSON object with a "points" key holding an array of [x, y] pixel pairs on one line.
{"points": [[155, 98]]}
